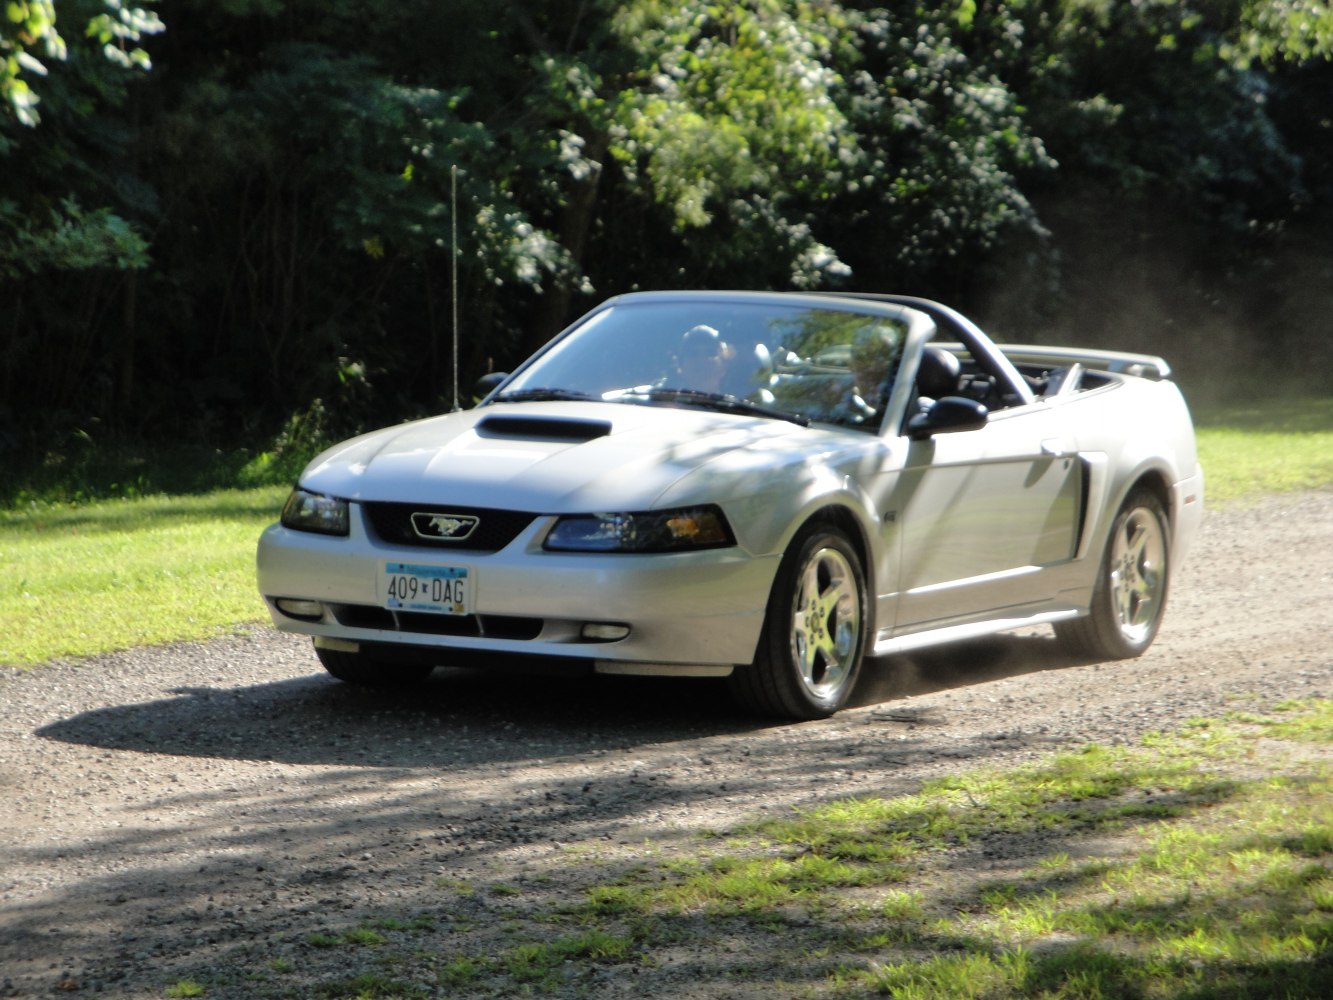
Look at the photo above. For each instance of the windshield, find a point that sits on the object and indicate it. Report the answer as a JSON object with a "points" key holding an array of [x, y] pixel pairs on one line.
{"points": [[824, 365]]}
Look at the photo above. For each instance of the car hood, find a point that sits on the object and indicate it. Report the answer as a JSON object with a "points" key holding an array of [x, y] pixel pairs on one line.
{"points": [[564, 457]]}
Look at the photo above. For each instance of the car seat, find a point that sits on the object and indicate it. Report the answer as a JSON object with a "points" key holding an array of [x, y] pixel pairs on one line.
{"points": [[939, 373]]}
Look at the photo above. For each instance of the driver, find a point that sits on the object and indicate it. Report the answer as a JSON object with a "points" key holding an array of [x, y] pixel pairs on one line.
{"points": [[703, 358]]}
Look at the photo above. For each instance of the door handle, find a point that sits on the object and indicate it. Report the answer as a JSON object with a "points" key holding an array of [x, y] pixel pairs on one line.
{"points": [[1053, 448]]}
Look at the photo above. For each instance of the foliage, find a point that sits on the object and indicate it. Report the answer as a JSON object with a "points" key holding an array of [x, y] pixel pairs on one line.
{"points": [[27, 25], [260, 230], [734, 113], [945, 142], [1143, 100], [1294, 30], [72, 240], [30, 25]]}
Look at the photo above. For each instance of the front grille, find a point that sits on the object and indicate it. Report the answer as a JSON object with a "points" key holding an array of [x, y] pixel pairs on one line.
{"points": [[392, 522], [407, 622]]}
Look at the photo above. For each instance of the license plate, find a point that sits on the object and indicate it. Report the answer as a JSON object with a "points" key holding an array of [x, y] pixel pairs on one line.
{"points": [[441, 590]]}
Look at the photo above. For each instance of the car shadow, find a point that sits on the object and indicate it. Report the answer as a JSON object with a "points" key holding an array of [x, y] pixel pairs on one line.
{"points": [[469, 716], [960, 664]]}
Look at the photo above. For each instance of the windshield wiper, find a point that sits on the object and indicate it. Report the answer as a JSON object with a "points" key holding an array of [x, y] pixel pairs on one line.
{"points": [[541, 396], [720, 401]]}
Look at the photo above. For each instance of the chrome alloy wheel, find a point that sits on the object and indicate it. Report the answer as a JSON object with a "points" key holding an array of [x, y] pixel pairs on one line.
{"points": [[1129, 595], [813, 641], [1138, 573], [826, 622]]}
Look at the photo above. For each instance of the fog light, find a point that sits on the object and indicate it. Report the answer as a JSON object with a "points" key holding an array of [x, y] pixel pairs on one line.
{"points": [[604, 631], [294, 608]]}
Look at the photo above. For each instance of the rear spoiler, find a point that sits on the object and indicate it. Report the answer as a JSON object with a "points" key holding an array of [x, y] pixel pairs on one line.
{"points": [[1120, 362]]}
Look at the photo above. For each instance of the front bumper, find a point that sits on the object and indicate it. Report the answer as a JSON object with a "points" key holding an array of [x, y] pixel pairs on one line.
{"points": [[685, 612]]}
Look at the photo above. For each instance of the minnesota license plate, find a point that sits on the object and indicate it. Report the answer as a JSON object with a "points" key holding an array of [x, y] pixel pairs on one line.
{"points": [[441, 590]]}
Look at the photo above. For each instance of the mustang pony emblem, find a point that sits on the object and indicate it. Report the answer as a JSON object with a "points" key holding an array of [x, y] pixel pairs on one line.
{"points": [[444, 527]]}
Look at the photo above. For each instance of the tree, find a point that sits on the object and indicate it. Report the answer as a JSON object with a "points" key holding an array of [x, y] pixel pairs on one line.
{"points": [[1290, 30], [73, 208], [30, 26], [260, 228], [947, 150], [732, 116]]}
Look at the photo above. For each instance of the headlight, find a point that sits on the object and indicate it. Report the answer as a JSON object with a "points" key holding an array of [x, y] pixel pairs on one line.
{"points": [[306, 511], [654, 531]]}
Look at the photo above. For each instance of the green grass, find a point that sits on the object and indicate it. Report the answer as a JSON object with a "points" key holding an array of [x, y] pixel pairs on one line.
{"points": [[1270, 447], [97, 575], [86, 579], [1194, 864]]}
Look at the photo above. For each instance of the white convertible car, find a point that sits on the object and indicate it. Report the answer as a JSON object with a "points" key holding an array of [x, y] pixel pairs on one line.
{"points": [[763, 486]]}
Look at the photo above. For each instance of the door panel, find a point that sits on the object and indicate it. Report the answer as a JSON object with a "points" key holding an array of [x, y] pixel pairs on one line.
{"points": [[982, 512]]}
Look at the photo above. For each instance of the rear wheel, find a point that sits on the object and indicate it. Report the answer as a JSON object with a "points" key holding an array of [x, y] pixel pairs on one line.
{"points": [[371, 671], [814, 636], [1130, 594]]}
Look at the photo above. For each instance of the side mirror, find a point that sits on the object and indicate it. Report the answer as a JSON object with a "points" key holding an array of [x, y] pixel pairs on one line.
{"points": [[948, 416], [486, 385]]}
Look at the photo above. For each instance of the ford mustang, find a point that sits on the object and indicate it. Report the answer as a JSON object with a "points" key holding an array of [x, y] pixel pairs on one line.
{"points": [[767, 487]]}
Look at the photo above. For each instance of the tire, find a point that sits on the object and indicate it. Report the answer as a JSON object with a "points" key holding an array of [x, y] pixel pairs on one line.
{"points": [[1129, 597], [814, 635], [371, 671]]}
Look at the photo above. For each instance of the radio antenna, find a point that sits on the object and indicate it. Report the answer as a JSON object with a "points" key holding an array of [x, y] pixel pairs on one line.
{"points": [[453, 270]]}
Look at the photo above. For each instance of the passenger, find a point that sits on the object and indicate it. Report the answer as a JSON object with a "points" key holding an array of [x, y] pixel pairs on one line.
{"points": [[874, 358]]}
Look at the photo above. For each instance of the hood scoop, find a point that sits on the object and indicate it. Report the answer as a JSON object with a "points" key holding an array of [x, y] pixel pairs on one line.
{"points": [[542, 428]]}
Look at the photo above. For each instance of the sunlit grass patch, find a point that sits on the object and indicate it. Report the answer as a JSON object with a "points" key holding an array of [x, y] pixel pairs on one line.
{"points": [[1214, 880], [963, 975], [1185, 865], [1241, 887], [1094, 787], [84, 580], [1307, 721], [765, 883], [1273, 447]]}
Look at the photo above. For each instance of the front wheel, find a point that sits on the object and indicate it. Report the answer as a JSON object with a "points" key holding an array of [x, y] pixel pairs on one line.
{"points": [[1130, 594], [814, 635], [371, 671]]}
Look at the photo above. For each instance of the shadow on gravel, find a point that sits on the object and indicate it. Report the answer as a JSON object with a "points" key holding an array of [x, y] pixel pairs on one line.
{"points": [[464, 717], [312, 807]]}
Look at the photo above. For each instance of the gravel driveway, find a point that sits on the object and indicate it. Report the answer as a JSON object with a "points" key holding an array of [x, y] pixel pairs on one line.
{"points": [[200, 810]]}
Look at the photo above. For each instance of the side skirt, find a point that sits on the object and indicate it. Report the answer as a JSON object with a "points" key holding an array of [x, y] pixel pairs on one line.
{"points": [[887, 645]]}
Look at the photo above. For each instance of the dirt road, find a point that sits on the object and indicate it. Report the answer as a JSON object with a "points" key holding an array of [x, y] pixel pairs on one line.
{"points": [[199, 811]]}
